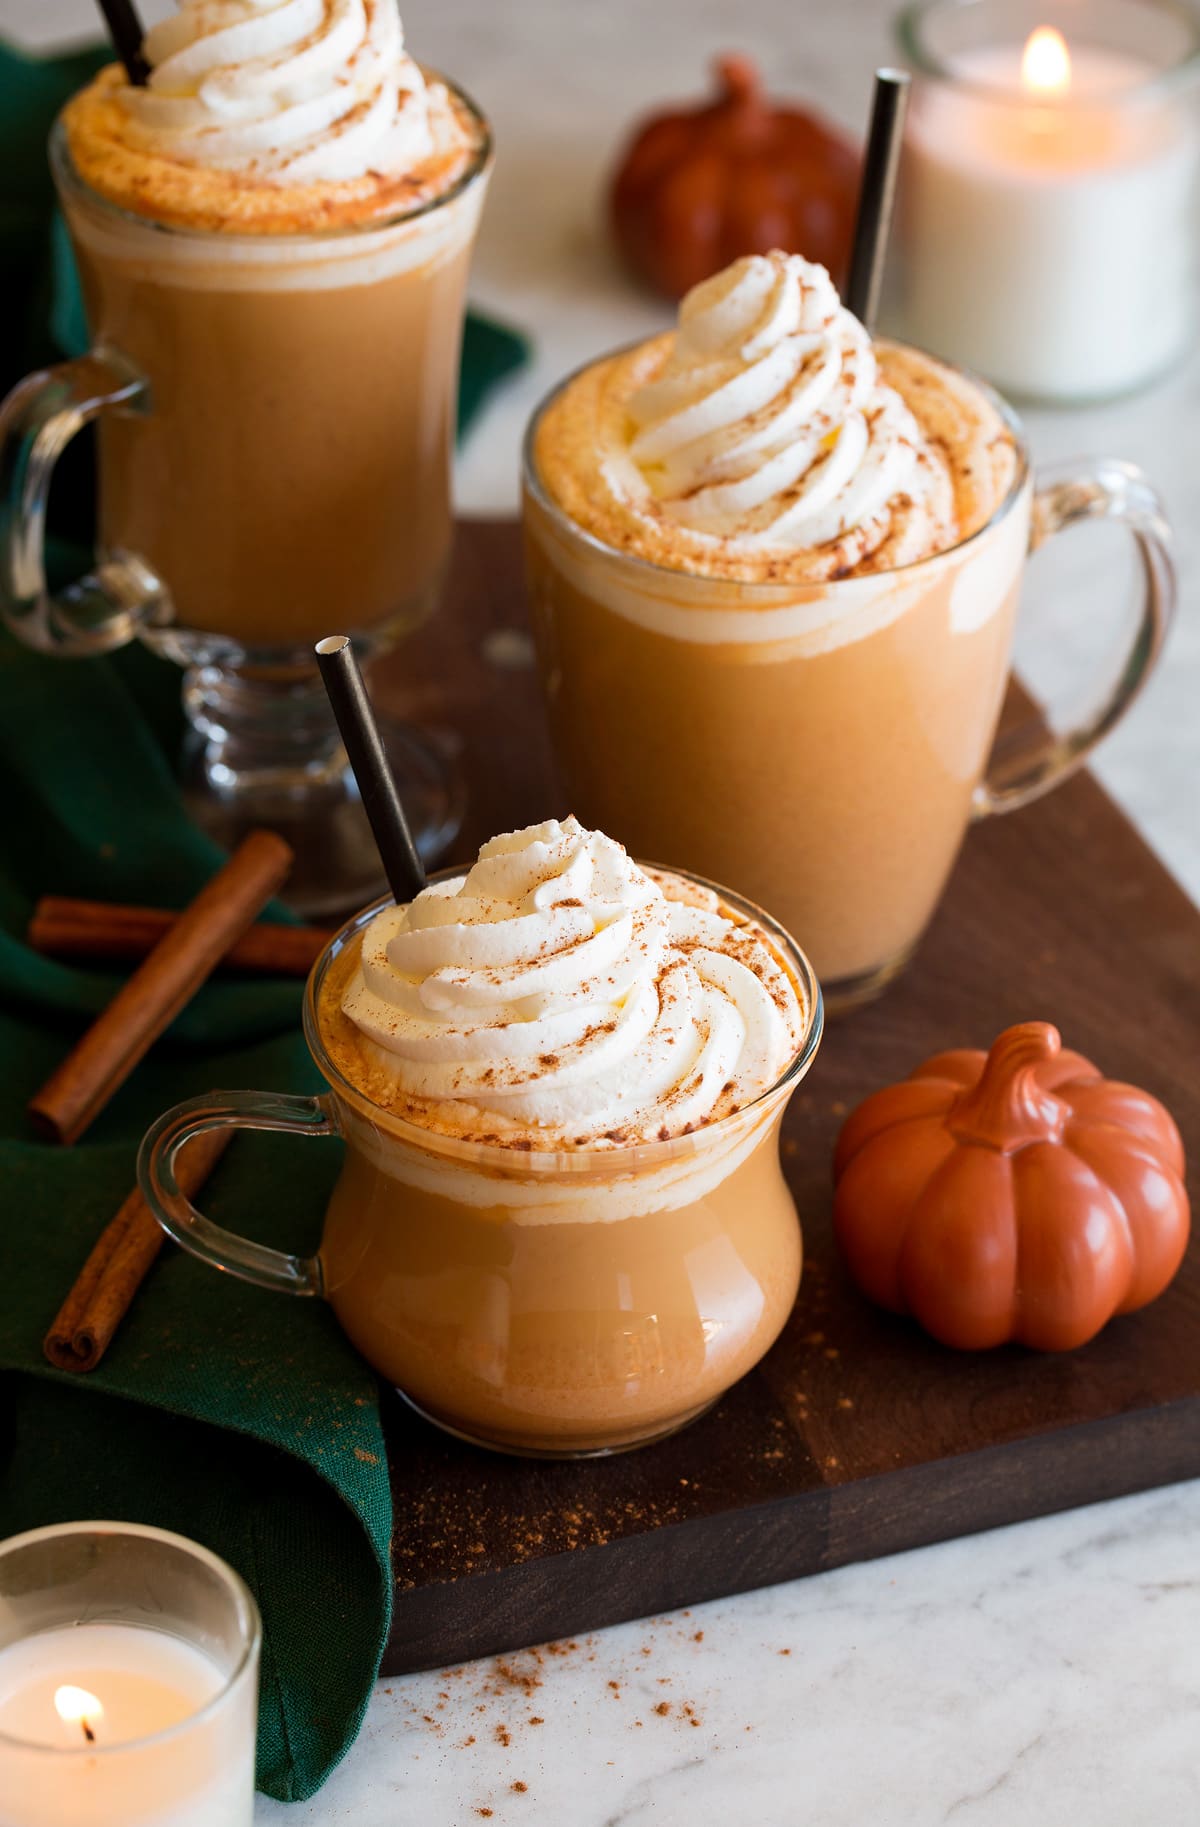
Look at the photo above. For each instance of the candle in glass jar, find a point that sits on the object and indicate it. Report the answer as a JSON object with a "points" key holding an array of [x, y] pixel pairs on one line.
{"points": [[1046, 205], [125, 1702], [128, 1682]]}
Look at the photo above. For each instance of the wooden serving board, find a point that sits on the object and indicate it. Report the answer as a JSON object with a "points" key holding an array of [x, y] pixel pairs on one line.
{"points": [[857, 1436]]}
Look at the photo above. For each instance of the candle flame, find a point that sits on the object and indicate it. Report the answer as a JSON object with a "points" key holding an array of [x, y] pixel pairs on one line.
{"points": [[1046, 63], [76, 1705]]}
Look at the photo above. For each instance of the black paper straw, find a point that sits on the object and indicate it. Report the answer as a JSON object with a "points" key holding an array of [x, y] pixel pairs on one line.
{"points": [[127, 34], [877, 195], [360, 733]]}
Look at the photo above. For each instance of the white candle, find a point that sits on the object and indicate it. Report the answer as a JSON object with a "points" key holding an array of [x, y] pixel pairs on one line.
{"points": [[143, 1755], [1047, 218], [128, 1682]]}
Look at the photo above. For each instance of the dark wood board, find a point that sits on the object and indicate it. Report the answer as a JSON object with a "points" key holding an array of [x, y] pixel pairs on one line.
{"points": [[857, 1436]]}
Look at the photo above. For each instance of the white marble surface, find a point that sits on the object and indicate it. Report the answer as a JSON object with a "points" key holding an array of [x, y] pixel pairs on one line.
{"points": [[1034, 1677], [1030, 1678]]}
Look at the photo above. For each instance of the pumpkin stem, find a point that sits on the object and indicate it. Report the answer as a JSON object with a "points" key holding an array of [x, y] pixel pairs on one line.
{"points": [[738, 78], [1007, 1109]]}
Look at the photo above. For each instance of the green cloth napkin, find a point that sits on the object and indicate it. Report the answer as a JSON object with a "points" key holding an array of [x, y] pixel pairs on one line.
{"points": [[237, 1417], [240, 1418]]}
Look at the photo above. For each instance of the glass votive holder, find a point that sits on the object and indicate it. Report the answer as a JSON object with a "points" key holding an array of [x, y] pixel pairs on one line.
{"points": [[1047, 208], [128, 1681]]}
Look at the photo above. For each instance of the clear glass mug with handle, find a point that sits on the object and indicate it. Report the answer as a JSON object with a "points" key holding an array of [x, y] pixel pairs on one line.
{"points": [[825, 745], [275, 417], [551, 1303]]}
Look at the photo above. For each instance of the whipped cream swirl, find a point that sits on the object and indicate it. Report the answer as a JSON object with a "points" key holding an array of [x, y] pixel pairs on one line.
{"points": [[555, 994], [769, 426], [294, 91]]}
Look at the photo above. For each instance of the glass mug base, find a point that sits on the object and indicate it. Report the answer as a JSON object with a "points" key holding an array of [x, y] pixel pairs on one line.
{"points": [[517, 1447], [844, 994], [262, 751]]}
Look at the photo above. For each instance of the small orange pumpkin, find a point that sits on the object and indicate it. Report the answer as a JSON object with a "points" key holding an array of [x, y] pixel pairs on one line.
{"points": [[699, 187], [1013, 1195]]}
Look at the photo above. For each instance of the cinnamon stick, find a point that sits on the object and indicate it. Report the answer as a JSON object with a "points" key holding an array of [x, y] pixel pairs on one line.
{"points": [[167, 979], [119, 1262], [65, 928]]}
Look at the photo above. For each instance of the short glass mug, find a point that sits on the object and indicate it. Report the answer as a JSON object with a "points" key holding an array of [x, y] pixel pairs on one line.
{"points": [[275, 419], [553, 1305], [824, 745]]}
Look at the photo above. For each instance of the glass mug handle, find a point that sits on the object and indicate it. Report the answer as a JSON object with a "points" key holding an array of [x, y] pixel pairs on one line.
{"points": [[254, 1262], [1034, 759], [39, 418]]}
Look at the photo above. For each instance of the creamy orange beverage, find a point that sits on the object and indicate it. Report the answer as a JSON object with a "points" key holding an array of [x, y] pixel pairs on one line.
{"points": [[774, 572], [274, 233], [562, 1225]]}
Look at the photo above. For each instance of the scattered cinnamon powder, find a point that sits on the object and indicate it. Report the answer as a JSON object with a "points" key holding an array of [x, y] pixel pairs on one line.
{"points": [[526, 1679], [493, 1686]]}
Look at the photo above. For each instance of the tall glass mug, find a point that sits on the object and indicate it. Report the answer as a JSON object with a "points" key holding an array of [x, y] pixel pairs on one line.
{"points": [[276, 418], [826, 745], [555, 1304]]}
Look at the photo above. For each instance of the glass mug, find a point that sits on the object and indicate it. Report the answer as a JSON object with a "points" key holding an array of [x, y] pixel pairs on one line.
{"points": [[275, 416], [825, 745], [550, 1304]]}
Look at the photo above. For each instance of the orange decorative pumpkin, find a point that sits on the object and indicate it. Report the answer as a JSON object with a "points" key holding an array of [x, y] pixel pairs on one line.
{"points": [[699, 187], [1011, 1195]]}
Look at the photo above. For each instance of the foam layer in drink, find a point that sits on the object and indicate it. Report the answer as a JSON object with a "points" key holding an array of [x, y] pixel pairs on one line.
{"points": [[418, 244], [556, 1186], [788, 620]]}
